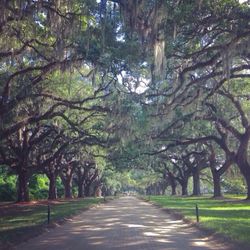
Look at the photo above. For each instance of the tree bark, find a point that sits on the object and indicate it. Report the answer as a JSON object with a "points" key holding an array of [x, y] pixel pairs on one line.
{"points": [[173, 188], [245, 170], [216, 183], [52, 187], [172, 182], [22, 186], [196, 182], [248, 186], [184, 187], [87, 189], [68, 189], [242, 160], [80, 189], [67, 183]]}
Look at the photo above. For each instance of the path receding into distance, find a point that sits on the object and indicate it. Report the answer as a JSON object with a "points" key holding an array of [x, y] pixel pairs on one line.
{"points": [[125, 223]]}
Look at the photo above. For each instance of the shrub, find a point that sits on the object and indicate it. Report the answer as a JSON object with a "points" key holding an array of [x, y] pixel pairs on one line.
{"points": [[7, 187], [234, 186]]}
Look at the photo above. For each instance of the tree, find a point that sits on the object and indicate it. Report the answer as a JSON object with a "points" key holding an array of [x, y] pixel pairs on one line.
{"points": [[234, 123], [72, 76]]}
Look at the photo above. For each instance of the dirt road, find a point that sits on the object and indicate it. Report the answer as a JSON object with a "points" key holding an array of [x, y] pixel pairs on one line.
{"points": [[125, 223]]}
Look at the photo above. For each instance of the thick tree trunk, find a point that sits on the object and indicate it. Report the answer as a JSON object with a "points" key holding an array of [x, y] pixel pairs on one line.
{"points": [[67, 183], [245, 170], [184, 187], [216, 183], [172, 182], [248, 186], [80, 189], [173, 188], [80, 178], [22, 187], [87, 190], [242, 159], [68, 189], [196, 182], [52, 187]]}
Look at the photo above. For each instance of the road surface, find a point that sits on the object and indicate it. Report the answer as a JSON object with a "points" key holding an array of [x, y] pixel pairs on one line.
{"points": [[125, 223]]}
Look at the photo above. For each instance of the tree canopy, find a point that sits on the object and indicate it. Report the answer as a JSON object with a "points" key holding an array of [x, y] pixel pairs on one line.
{"points": [[108, 95]]}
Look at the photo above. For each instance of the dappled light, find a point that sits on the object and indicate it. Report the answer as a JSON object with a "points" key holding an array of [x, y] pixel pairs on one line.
{"points": [[102, 101], [126, 223]]}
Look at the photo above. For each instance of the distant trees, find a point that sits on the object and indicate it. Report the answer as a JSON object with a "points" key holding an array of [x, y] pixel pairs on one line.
{"points": [[219, 127]]}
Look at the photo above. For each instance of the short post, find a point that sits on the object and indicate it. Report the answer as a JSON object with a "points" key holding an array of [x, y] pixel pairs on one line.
{"points": [[48, 214], [197, 213]]}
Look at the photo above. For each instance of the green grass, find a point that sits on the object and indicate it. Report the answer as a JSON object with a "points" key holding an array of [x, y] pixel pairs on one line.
{"points": [[230, 217], [24, 221]]}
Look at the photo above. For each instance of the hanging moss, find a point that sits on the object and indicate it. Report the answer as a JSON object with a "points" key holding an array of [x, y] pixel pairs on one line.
{"points": [[147, 19]]}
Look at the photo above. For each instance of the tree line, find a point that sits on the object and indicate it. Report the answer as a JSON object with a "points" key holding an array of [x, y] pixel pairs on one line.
{"points": [[197, 116], [89, 86]]}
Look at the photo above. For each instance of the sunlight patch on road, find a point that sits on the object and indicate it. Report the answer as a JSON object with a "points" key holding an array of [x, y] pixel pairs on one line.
{"points": [[111, 219], [96, 243], [96, 238], [163, 230], [199, 243], [134, 225], [151, 234], [164, 241], [98, 228]]}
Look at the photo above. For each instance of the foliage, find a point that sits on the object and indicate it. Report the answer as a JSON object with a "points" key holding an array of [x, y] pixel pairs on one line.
{"points": [[38, 187], [235, 185], [122, 83], [7, 185]]}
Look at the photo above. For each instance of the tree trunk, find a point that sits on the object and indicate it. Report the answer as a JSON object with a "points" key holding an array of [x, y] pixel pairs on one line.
{"points": [[173, 188], [243, 161], [22, 187], [245, 170], [248, 186], [68, 189], [67, 183], [87, 190], [216, 183], [80, 189], [184, 187], [196, 182], [52, 187], [172, 183]]}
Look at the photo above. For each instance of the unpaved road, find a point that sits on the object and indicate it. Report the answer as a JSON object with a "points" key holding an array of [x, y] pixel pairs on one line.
{"points": [[125, 223]]}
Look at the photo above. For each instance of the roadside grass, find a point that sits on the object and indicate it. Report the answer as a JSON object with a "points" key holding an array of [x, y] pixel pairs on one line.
{"points": [[229, 216], [22, 221]]}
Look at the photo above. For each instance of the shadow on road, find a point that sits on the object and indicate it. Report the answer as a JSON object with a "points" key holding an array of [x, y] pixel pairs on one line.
{"points": [[127, 223]]}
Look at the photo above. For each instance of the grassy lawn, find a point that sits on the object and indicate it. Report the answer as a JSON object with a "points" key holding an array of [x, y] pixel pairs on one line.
{"points": [[22, 221], [230, 217]]}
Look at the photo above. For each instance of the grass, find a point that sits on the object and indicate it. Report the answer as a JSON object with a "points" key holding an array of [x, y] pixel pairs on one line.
{"points": [[229, 216], [22, 221]]}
